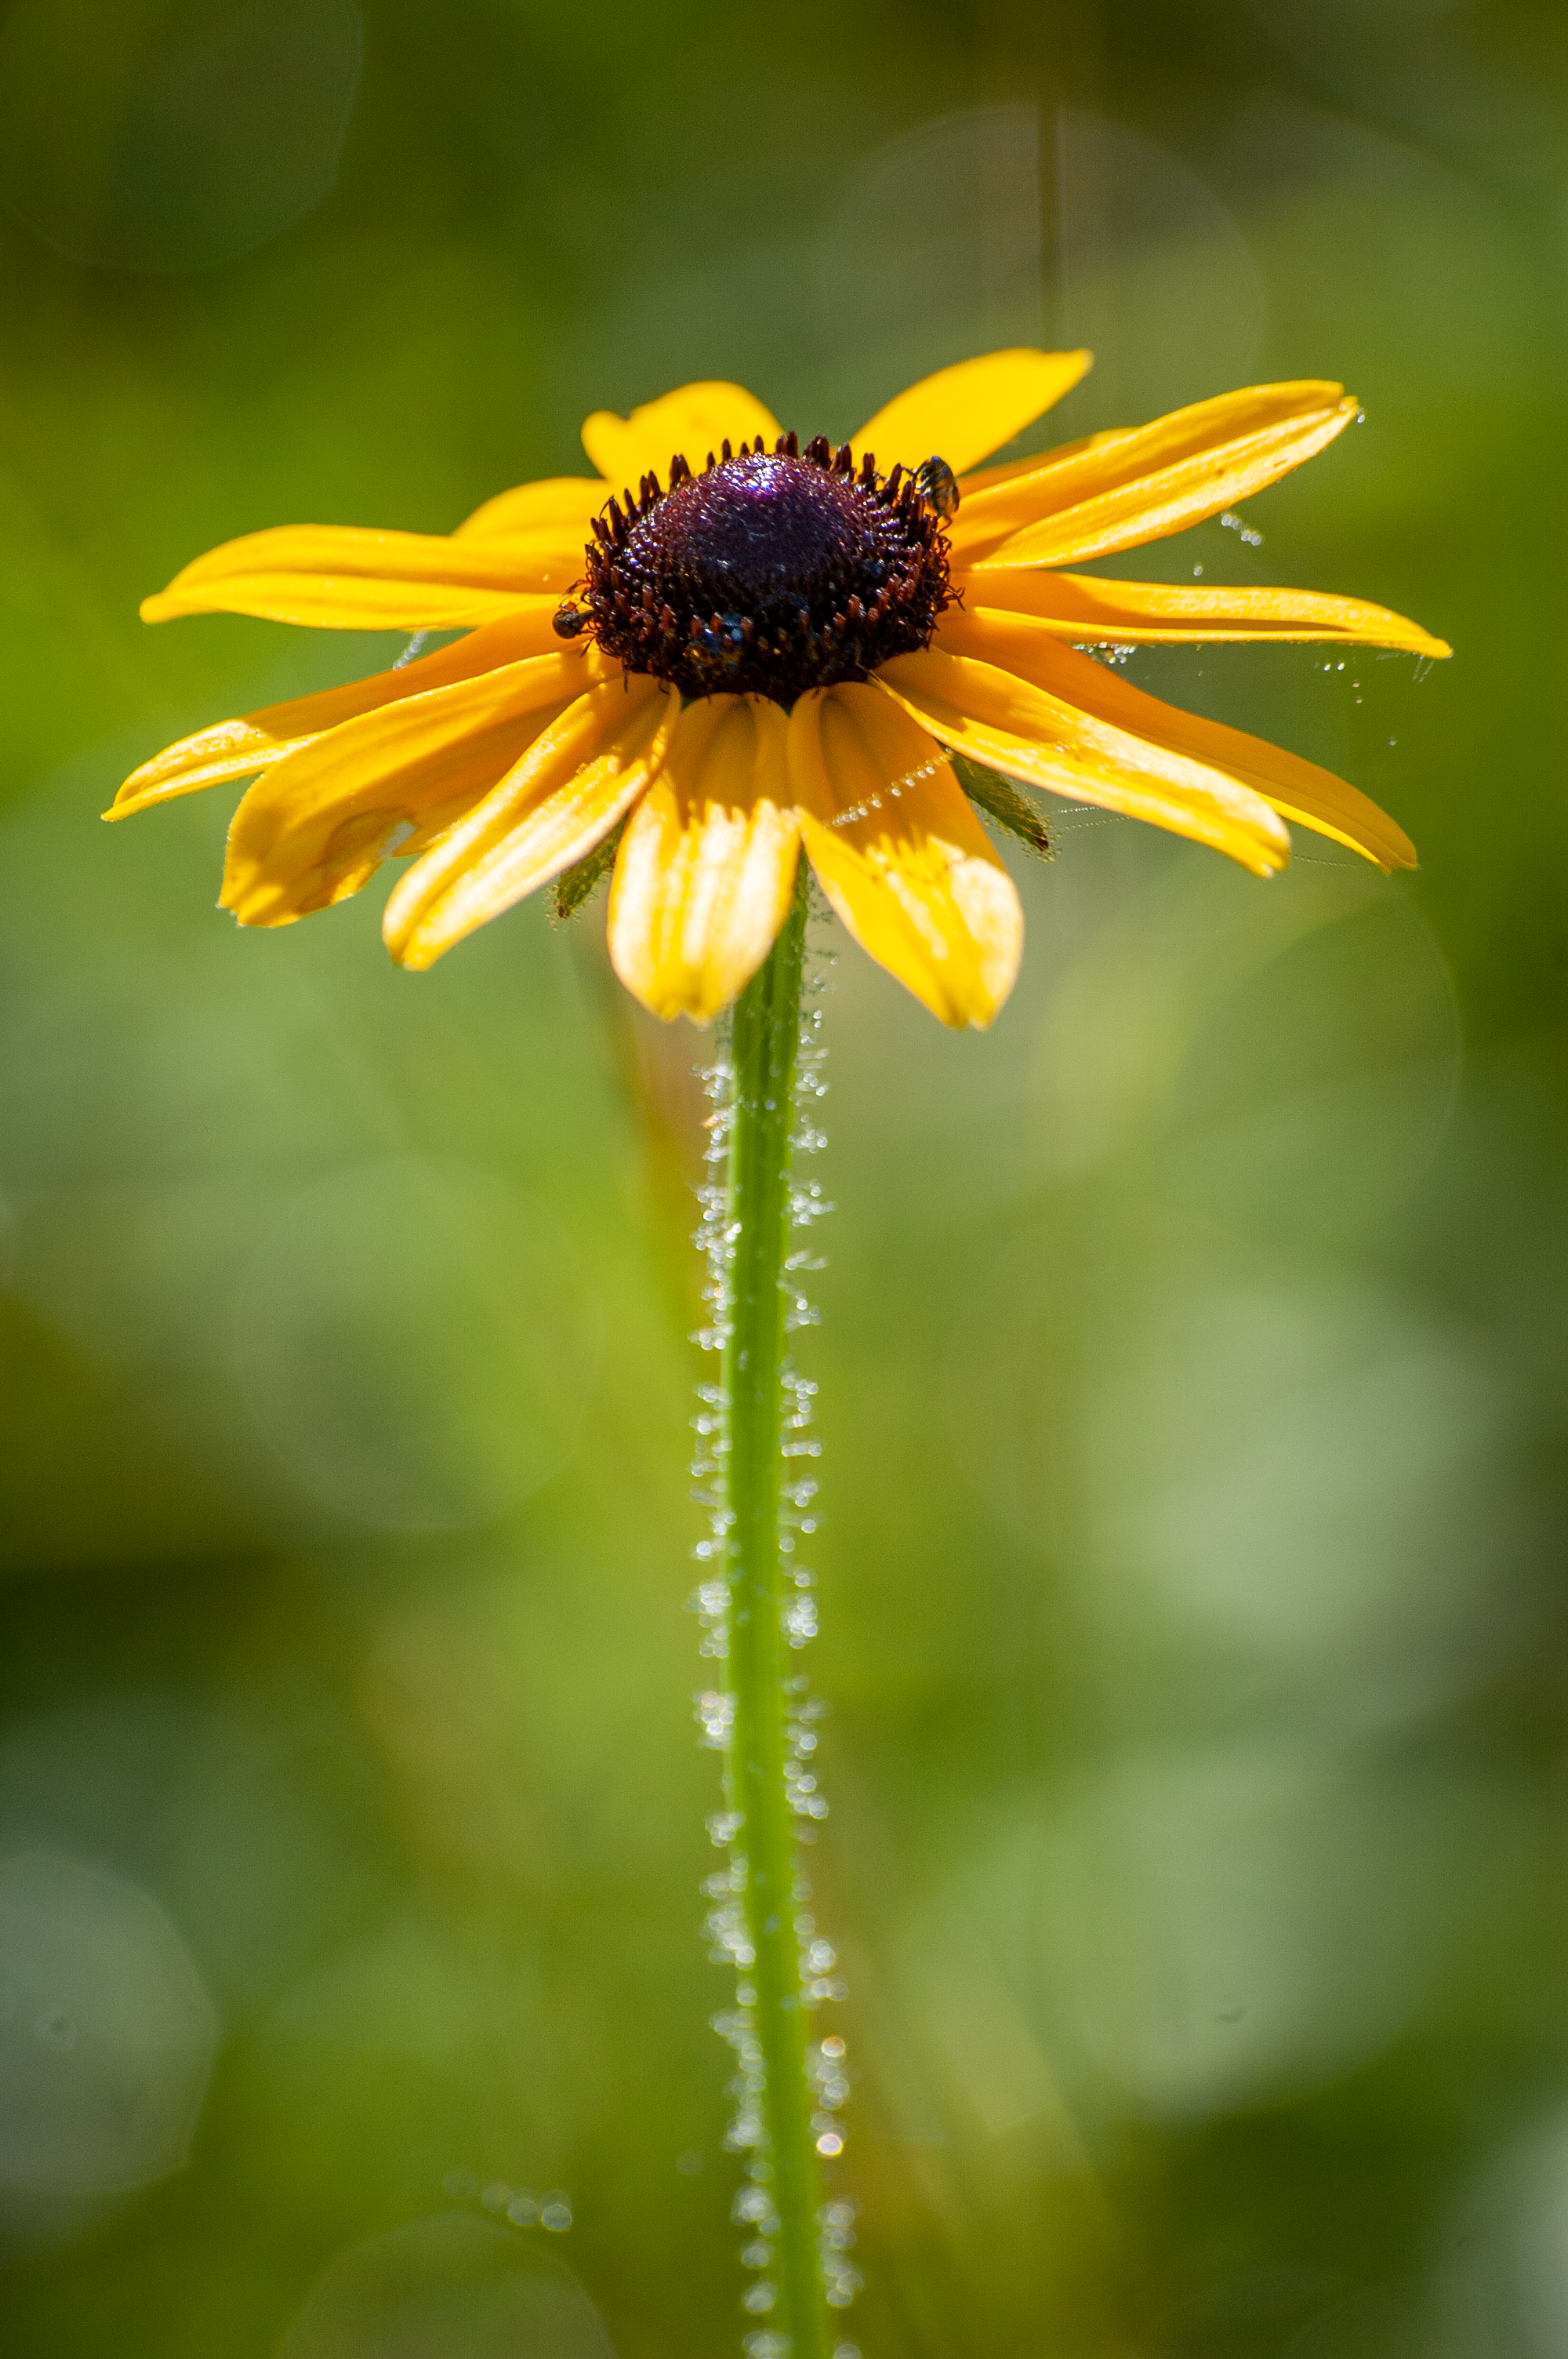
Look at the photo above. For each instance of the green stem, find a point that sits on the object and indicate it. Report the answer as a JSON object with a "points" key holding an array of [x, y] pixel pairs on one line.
{"points": [[765, 1043]]}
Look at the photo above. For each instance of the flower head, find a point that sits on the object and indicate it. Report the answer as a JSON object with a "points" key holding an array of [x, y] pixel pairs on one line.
{"points": [[764, 647], [770, 573]]}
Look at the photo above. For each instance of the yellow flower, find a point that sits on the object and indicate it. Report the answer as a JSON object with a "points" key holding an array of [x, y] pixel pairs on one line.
{"points": [[775, 649]]}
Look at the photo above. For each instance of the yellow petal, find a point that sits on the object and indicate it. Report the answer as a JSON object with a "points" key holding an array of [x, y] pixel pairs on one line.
{"points": [[316, 824], [1004, 721], [342, 578], [1143, 482], [567, 791], [563, 504], [705, 871], [1298, 789], [963, 414], [980, 479], [693, 420], [1084, 606], [236, 749], [1014, 493], [230, 749], [901, 855]]}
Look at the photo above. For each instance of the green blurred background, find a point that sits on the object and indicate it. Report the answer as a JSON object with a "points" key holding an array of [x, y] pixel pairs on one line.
{"points": [[1191, 1367]]}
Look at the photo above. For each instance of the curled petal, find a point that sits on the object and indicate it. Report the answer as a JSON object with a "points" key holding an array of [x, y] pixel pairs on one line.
{"points": [[230, 749], [963, 414], [319, 821], [1119, 490], [706, 869], [237, 749], [1297, 789], [693, 420], [901, 855], [1085, 606], [341, 578], [577, 779], [1011, 726]]}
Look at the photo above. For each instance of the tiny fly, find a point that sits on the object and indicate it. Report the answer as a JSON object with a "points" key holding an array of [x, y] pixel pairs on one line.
{"points": [[570, 620], [938, 487]]}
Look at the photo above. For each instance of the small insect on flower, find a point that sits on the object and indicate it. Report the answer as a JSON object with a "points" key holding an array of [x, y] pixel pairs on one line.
{"points": [[729, 648], [938, 487]]}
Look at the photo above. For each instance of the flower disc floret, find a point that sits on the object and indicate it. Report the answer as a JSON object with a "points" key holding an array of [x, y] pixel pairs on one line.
{"points": [[769, 573]]}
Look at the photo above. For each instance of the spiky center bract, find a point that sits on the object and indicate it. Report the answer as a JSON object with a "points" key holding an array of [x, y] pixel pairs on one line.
{"points": [[769, 573]]}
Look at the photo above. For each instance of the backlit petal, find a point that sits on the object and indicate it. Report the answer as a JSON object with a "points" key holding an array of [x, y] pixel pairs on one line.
{"points": [[1084, 606], [565, 504], [567, 792], [1123, 489], [980, 479], [706, 869], [693, 420], [316, 824], [1011, 725], [230, 749], [901, 855], [963, 414], [342, 578], [236, 749], [1298, 789]]}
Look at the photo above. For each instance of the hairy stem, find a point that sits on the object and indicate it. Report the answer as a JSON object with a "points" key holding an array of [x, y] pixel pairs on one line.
{"points": [[765, 1047]]}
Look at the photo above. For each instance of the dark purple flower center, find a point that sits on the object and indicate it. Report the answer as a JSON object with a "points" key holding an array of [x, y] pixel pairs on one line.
{"points": [[768, 573]]}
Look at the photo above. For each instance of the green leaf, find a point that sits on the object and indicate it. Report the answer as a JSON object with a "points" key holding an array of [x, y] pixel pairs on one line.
{"points": [[575, 888], [999, 798]]}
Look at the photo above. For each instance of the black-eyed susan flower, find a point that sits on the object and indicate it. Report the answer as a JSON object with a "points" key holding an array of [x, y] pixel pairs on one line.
{"points": [[763, 647]]}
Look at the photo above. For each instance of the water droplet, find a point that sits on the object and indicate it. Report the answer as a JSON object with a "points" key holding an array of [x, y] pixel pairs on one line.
{"points": [[522, 2210]]}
